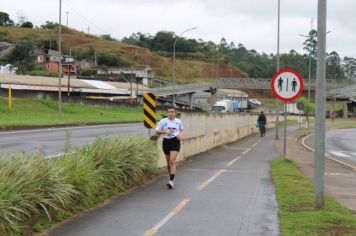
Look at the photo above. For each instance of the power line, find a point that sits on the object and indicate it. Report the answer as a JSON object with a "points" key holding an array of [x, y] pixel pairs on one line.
{"points": [[86, 19]]}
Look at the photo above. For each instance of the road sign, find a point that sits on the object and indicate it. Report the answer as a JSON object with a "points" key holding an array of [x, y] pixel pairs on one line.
{"points": [[300, 106], [149, 110], [287, 85]]}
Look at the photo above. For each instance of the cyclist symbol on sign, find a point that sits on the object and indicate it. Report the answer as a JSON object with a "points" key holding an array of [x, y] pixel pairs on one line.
{"points": [[294, 85]]}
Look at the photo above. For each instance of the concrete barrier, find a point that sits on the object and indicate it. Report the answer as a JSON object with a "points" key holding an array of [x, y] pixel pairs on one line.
{"points": [[203, 132]]}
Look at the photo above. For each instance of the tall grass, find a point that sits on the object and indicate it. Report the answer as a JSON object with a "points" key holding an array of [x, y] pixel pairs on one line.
{"points": [[32, 187]]}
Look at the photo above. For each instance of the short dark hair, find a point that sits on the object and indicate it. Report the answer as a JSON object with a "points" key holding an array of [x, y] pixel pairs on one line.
{"points": [[171, 107]]}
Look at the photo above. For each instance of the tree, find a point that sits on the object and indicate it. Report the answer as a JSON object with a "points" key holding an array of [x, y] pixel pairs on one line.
{"points": [[5, 19], [27, 24], [333, 68], [110, 59], [163, 41], [311, 43], [49, 25], [107, 37], [349, 67], [21, 56]]}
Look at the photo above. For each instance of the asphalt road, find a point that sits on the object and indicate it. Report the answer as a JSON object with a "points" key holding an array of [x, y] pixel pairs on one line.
{"points": [[340, 143], [51, 141], [225, 191]]}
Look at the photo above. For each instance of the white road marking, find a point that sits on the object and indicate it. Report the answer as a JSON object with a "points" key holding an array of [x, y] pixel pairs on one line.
{"points": [[339, 174], [246, 151], [233, 161], [234, 148], [203, 185], [339, 154], [176, 210]]}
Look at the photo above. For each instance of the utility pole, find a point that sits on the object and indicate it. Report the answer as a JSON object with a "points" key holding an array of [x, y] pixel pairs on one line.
{"points": [[67, 12], [277, 56], [88, 29], [60, 61], [319, 140]]}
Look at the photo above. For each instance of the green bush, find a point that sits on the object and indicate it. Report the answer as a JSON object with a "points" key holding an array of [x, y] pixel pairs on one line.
{"points": [[43, 73], [32, 187]]}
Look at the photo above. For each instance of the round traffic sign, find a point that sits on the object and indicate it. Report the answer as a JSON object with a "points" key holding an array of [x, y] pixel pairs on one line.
{"points": [[300, 106], [287, 85]]}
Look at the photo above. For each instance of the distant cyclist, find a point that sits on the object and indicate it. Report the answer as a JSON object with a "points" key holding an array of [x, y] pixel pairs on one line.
{"points": [[172, 130]]}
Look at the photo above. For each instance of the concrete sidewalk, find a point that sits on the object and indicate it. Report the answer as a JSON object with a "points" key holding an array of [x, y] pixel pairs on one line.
{"points": [[225, 191], [340, 181]]}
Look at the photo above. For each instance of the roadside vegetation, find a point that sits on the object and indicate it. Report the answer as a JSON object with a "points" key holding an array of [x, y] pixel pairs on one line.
{"points": [[36, 192], [33, 112], [295, 197]]}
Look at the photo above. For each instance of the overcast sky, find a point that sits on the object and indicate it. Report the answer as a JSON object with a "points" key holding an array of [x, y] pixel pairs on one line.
{"points": [[250, 22]]}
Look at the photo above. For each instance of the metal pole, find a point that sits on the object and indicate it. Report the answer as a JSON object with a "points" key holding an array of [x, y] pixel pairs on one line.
{"points": [[60, 61], [67, 17], [174, 64], [174, 73], [131, 82], [9, 96], [277, 109], [309, 74], [285, 131], [319, 141]]}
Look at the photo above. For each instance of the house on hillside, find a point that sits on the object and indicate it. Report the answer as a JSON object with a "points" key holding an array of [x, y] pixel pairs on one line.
{"points": [[50, 61], [142, 75]]}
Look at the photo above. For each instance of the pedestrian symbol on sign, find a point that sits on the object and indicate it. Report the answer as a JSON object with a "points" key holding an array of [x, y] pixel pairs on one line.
{"points": [[287, 85]]}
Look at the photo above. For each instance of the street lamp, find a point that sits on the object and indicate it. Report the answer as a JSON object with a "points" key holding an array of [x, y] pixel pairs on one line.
{"points": [[309, 70], [174, 64]]}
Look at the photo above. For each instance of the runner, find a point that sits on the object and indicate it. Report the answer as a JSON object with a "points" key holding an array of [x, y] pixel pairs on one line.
{"points": [[172, 130]]}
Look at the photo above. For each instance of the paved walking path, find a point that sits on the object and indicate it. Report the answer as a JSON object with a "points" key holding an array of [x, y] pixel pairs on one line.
{"points": [[226, 191]]}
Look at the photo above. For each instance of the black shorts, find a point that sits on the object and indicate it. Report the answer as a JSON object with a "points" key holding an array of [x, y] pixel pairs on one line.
{"points": [[169, 145]]}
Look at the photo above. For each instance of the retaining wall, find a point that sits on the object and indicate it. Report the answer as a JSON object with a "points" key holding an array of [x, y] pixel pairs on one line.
{"points": [[206, 131]]}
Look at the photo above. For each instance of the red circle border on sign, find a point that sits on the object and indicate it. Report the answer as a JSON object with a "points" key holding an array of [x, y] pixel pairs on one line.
{"points": [[275, 76]]}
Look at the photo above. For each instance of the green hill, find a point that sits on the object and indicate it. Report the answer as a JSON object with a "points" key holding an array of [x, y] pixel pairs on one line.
{"points": [[187, 70]]}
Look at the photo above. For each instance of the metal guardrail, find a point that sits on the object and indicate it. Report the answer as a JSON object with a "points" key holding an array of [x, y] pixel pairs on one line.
{"points": [[264, 83], [181, 89]]}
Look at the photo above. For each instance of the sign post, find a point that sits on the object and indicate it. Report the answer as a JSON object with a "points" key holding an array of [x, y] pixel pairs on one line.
{"points": [[287, 85], [149, 111]]}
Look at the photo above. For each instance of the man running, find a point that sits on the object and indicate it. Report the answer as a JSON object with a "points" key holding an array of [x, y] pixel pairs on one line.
{"points": [[172, 130]]}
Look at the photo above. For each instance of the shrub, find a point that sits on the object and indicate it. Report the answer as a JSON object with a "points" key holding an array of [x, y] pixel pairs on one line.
{"points": [[32, 187]]}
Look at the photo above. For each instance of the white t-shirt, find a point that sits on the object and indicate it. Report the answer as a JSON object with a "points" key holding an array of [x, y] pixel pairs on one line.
{"points": [[174, 126]]}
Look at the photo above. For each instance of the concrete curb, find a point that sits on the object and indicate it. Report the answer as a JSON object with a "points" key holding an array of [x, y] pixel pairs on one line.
{"points": [[353, 168]]}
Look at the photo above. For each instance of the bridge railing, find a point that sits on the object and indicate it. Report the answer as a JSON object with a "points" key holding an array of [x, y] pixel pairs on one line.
{"points": [[181, 89], [265, 83]]}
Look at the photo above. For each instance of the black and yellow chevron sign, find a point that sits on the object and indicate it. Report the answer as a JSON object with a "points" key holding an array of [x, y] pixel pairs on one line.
{"points": [[149, 110]]}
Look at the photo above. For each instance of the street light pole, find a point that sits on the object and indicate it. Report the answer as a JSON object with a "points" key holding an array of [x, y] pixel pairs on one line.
{"points": [[67, 12], [60, 61], [174, 64], [277, 109], [309, 68], [320, 96]]}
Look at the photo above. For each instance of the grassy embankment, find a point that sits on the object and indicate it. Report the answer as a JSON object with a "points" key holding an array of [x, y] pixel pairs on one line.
{"points": [[187, 70], [296, 213], [32, 112]]}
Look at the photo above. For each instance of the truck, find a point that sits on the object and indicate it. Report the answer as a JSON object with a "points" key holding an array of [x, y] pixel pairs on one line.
{"points": [[224, 106]]}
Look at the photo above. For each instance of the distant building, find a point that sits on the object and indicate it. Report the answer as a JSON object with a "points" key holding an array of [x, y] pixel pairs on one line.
{"points": [[143, 75], [50, 60]]}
